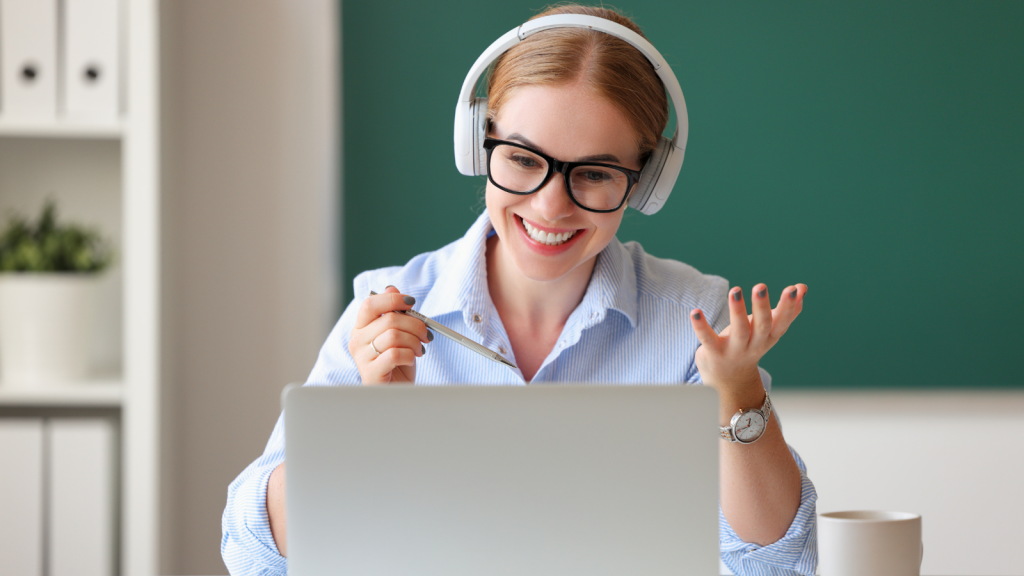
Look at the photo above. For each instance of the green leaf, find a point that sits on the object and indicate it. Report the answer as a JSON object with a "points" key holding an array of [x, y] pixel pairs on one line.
{"points": [[50, 246]]}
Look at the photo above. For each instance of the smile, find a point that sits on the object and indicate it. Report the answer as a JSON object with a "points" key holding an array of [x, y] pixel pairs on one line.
{"points": [[547, 237]]}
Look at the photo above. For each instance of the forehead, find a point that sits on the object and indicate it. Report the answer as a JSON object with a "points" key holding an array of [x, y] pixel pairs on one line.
{"points": [[567, 122]]}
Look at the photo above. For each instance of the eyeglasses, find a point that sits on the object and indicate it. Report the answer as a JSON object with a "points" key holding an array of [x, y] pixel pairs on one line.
{"points": [[593, 186]]}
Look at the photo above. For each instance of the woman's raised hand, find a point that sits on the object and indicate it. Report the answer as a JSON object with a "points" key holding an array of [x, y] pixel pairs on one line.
{"points": [[728, 361], [385, 345]]}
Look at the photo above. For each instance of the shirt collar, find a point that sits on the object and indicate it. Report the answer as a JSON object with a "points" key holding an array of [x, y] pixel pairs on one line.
{"points": [[462, 283], [613, 284], [462, 287]]}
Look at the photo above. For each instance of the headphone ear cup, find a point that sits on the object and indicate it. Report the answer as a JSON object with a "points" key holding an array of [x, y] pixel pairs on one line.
{"points": [[479, 127], [649, 178]]}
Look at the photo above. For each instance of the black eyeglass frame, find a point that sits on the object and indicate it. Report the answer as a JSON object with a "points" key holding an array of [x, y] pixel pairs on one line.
{"points": [[562, 167]]}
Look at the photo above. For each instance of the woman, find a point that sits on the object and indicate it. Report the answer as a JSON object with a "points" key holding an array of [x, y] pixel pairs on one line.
{"points": [[541, 278]]}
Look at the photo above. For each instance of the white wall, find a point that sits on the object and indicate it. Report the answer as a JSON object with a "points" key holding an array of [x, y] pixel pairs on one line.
{"points": [[953, 457], [250, 227]]}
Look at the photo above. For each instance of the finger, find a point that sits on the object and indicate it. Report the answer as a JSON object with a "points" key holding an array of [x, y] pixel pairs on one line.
{"points": [[395, 338], [739, 326], [401, 322], [378, 304], [762, 312], [429, 335], [705, 333], [380, 369], [783, 313], [787, 311]]}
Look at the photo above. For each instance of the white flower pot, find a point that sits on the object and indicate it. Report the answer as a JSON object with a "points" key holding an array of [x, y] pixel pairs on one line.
{"points": [[46, 322]]}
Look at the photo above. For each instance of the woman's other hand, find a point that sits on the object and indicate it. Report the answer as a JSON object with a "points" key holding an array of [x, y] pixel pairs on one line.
{"points": [[728, 361], [385, 345]]}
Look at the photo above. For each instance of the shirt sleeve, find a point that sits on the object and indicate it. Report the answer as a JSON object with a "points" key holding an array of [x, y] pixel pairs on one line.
{"points": [[796, 552], [247, 544]]}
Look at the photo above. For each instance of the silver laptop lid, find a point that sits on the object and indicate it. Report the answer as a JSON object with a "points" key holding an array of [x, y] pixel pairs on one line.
{"points": [[476, 480]]}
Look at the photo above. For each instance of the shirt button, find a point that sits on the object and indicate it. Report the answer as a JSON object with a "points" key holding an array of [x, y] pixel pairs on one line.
{"points": [[477, 318], [502, 350]]}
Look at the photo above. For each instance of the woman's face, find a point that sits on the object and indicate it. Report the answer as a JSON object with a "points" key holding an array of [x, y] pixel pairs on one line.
{"points": [[570, 124]]}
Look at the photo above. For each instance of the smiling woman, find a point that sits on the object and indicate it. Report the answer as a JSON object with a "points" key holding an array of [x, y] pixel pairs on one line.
{"points": [[574, 128]]}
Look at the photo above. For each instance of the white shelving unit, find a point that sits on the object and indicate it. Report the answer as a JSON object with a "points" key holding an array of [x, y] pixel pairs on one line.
{"points": [[64, 129], [81, 158], [95, 394]]}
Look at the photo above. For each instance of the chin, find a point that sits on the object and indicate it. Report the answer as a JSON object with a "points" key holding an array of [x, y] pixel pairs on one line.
{"points": [[539, 272]]}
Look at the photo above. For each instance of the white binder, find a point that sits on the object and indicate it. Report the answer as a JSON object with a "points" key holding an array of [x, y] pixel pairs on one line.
{"points": [[81, 503], [21, 496], [92, 72], [28, 59]]}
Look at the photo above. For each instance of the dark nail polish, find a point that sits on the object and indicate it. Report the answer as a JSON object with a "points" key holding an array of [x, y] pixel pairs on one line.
{"points": [[409, 300], [792, 294], [762, 293], [696, 315], [424, 348], [430, 336], [737, 295]]}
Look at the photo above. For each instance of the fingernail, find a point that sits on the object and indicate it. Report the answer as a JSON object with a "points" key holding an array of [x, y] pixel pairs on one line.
{"points": [[737, 295], [430, 336], [792, 294], [409, 300], [761, 293], [424, 348], [388, 286], [696, 315]]}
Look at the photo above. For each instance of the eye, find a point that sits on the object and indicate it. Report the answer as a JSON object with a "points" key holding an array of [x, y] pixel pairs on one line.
{"points": [[525, 161], [596, 176]]}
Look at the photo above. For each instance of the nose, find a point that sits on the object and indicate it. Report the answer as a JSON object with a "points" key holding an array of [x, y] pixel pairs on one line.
{"points": [[552, 201]]}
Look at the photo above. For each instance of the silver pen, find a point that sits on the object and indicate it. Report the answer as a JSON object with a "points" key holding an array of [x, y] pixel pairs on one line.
{"points": [[458, 338]]}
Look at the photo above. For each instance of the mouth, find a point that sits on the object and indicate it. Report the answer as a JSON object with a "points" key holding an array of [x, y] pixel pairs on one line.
{"points": [[546, 238]]}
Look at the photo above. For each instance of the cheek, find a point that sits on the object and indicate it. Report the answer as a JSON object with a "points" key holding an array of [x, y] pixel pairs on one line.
{"points": [[493, 198], [607, 225], [497, 201]]}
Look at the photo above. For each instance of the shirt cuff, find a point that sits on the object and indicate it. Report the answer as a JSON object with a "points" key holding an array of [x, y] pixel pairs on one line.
{"points": [[795, 553], [248, 545]]}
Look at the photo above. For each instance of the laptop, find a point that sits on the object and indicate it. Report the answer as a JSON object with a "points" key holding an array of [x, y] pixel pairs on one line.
{"points": [[482, 480]]}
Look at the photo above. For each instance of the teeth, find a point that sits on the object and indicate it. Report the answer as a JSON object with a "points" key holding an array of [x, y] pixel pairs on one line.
{"points": [[547, 237]]}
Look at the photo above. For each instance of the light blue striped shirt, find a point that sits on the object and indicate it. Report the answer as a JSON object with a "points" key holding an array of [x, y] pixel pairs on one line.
{"points": [[632, 327]]}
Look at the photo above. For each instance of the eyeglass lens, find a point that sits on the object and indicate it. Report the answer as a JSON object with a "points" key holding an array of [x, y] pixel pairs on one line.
{"points": [[519, 170]]}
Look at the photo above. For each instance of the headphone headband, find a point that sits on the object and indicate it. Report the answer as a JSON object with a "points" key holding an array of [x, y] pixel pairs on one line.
{"points": [[666, 160]]}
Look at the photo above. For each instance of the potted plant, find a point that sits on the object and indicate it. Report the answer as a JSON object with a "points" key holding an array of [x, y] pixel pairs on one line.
{"points": [[48, 276]]}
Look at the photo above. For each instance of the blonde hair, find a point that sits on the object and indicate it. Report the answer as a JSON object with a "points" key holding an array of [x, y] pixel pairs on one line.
{"points": [[611, 67]]}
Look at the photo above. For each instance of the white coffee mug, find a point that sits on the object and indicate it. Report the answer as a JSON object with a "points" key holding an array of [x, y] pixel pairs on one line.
{"points": [[869, 543]]}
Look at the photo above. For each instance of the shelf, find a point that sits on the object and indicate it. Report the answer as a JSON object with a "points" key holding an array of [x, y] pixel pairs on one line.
{"points": [[86, 394], [62, 128]]}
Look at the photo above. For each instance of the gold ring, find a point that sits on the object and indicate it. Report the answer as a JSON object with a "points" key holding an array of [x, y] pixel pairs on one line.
{"points": [[374, 348]]}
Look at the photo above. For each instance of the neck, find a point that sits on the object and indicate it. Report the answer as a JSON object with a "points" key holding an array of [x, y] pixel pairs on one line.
{"points": [[526, 303]]}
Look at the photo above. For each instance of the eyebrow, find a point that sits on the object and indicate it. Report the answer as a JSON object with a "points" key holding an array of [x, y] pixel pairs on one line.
{"points": [[593, 158]]}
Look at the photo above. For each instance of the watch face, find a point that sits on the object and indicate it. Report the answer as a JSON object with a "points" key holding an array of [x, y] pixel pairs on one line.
{"points": [[749, 427]]}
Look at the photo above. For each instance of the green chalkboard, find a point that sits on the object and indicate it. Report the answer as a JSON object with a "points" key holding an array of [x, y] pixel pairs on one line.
{"points": [[872, 150]]}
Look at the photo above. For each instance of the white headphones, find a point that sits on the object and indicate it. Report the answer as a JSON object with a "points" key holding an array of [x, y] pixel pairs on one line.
{"points": [[662, 168]]}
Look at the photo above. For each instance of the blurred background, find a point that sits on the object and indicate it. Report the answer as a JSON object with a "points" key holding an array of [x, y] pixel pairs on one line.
{"points": [[873, 151]]}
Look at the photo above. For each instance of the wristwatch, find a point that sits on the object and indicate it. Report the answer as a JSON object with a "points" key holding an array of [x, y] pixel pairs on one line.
{"points": [[748, 425]]}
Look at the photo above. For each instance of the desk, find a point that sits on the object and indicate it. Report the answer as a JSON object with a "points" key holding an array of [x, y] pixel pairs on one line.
{"points": [[913, 450]]}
